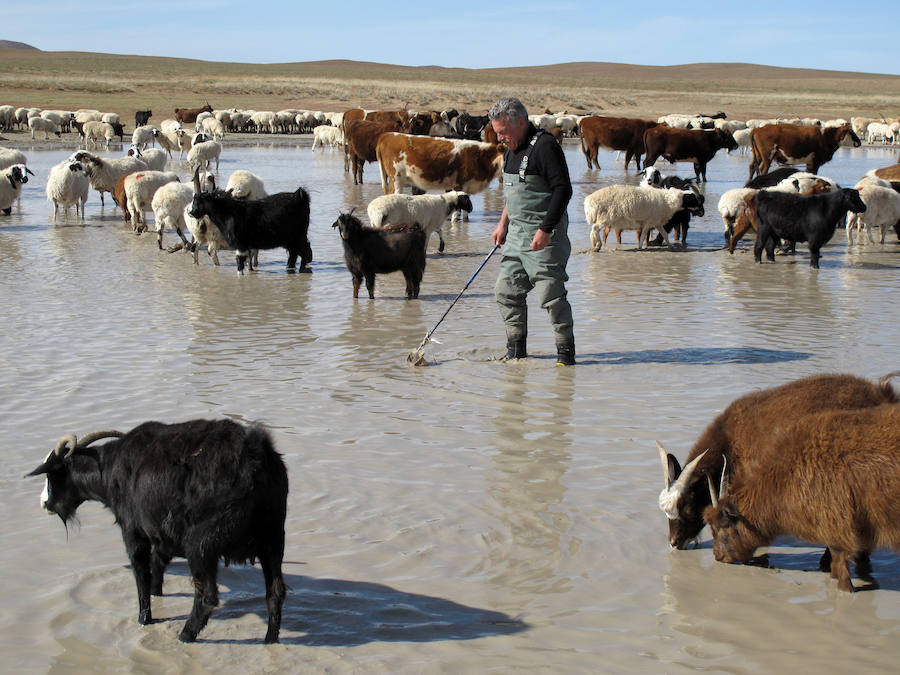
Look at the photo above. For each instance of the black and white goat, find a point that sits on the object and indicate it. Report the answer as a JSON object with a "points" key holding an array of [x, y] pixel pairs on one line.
{"points": [[277, 221], [204, 490], [394, 248]]}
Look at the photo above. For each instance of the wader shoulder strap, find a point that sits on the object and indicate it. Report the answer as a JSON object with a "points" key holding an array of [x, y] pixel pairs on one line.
{"points": [[524, 163]]}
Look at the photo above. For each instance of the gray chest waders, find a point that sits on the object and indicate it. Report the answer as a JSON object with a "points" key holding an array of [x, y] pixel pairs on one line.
{"points": [[521, 269]]}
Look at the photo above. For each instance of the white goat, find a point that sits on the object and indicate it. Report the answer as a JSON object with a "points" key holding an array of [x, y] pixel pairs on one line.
{"points": [[429, 211], [139, 190], [629, 207], [68, 184]]}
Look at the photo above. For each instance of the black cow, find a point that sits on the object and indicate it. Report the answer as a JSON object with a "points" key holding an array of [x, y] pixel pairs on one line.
{"points": [[470, 126]]}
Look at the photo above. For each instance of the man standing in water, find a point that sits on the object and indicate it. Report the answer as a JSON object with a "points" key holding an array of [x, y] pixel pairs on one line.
{"points": [[533, 230]]}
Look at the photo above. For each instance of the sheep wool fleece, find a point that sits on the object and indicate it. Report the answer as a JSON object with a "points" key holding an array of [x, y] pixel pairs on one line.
{"points": [[522, 269]]}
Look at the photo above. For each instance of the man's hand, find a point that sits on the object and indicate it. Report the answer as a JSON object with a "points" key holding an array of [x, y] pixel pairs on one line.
{"points": [[498, 236], [541, 240]]}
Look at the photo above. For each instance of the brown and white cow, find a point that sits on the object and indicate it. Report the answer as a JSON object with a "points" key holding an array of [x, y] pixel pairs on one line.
{"points": [[614, 133], [795, 144], [361, 138], [698, 146], [437, 163]]}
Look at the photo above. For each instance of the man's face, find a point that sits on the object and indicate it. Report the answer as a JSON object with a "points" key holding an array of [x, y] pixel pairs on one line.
{"points": [[510, 133]]}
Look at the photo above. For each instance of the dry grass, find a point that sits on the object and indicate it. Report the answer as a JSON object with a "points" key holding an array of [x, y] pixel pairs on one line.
{"points": [[123, 84]]}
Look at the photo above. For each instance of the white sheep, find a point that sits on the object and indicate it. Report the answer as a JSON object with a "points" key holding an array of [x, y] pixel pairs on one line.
{"points": [[82, 116], [169, 204], [243, 184], [139, 190], [169, 125], [144, 136], [742, 138], [7, 117], [882, 209], [68, 184], [110, 118], [327, 136], [629, 207], [212, 127], [202, 154], [801, 182], [262, 119], [153, 157], [97, 132], [8, 157], [429, 211], [105, 172], [731, 205], [45, 125], [11, 181]]}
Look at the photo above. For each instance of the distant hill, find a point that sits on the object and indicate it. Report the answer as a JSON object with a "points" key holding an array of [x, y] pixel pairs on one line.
{"points": [[10, 44]]}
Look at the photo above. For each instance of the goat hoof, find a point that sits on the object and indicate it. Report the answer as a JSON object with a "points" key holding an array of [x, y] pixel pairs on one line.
{"points": [[187, 636]]}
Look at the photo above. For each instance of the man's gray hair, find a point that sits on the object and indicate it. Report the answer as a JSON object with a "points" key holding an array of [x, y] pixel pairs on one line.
{"points": [[510, 108]]}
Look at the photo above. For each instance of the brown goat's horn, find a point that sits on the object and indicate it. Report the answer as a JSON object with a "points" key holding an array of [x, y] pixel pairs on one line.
{"points": [[63, 442], [97, 435], [712, 491], [723, 481]]}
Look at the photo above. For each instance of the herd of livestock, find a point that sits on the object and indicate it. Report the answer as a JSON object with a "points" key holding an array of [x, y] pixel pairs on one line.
{"points": [[837, 453]]}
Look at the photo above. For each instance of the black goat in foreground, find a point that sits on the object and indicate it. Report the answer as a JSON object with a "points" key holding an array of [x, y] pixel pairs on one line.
{"points": [[204, 490], [277, 221], [369, 251]]}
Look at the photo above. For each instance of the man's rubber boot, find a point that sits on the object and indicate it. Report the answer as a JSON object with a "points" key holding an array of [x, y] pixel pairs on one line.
{"points": [[565, 353], [515, 349]]}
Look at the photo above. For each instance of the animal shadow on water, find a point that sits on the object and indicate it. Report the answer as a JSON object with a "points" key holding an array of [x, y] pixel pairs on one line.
{"points": [[341, 613], [782, 555], [697, 356]]}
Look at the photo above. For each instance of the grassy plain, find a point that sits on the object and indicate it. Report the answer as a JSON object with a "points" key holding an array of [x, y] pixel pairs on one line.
{"points": [[123, 84]]}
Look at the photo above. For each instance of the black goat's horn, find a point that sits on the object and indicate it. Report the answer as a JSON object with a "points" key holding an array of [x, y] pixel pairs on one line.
{"points": [[97, 435], [63, 442]]}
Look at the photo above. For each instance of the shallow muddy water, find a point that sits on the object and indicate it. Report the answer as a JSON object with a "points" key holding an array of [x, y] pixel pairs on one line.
{"points": [[466, 516]]}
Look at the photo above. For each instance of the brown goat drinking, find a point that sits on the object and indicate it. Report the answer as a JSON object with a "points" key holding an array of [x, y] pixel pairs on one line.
{"points": [[833, 478], [742, 434], [369, 251]]}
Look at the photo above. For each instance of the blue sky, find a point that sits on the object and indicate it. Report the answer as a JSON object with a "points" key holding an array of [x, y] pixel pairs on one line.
{"points": [[822, 34]]}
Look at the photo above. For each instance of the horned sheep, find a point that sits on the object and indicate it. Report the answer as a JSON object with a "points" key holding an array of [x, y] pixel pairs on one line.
{"points": [[207, 490]]}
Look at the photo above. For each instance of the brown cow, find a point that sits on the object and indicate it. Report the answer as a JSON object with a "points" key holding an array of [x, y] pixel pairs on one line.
{"points": [[437, 163], [350, 116], [189, 115], [419, 124], [614, 133], [361, 138], [398, 116], [686, 145], [795, 144]]}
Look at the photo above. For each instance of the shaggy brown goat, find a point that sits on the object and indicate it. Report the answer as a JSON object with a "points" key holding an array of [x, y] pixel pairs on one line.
{"points": [[741, 433], [833, 479]]}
